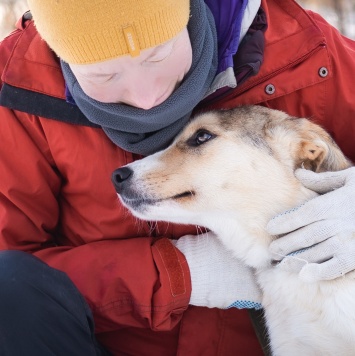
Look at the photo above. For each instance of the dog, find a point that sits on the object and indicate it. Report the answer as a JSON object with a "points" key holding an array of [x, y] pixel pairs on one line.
{"points": [[231, 171]]}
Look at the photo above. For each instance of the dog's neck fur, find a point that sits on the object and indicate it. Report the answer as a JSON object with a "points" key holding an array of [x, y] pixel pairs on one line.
{"points": [[246, 234]]}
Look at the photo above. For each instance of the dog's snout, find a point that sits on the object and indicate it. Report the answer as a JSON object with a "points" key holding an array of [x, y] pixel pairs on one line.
{"points": [[121, 176]]}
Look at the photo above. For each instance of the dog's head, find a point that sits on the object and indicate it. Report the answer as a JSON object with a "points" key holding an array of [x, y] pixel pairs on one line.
{"points": [[234, 164]]}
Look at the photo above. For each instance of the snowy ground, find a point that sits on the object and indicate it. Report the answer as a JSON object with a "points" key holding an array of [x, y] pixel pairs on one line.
{"points": [[330, 15], [9, 18]]}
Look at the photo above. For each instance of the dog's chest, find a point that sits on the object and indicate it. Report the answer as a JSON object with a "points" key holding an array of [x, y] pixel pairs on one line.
{"points": [[309, 318]]}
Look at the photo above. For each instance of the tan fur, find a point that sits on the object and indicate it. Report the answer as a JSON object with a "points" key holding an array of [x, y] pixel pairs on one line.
{"points": [[233, 184]]}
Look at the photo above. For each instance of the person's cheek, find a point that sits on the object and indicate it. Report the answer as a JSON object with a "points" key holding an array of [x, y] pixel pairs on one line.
{"points": [[93, 92], [104, 94]]}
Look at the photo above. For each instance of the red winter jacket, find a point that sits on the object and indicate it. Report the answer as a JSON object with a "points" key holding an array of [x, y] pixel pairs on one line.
{"points": [[57, 200]]}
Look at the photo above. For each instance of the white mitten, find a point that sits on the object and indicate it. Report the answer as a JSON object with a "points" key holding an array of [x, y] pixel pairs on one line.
{"points": [[322, 230], [219, 280]]}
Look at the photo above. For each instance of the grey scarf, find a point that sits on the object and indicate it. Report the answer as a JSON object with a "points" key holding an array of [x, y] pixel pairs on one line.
{"points": [[148, 131]]}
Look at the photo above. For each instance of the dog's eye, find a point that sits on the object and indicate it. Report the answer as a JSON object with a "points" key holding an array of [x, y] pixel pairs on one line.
{"points": [[200, 137]]}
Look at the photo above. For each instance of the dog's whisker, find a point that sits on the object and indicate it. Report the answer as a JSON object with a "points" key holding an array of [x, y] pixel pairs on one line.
{"points": [[199, 230], [167, 227], [152, 227]]}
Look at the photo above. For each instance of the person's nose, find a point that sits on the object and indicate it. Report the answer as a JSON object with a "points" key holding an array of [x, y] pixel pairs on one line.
{"points": [[143, 101], [143, 94]]}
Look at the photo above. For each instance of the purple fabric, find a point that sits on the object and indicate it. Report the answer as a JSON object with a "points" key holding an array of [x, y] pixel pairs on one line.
{"points": [[228, 15], [69, 97], [247, 60]]}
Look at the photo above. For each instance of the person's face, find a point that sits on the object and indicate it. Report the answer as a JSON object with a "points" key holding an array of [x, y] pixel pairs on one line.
{"points": [[144, 81]]}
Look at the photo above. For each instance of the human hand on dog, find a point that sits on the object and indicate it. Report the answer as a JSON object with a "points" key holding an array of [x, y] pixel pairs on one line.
{"points": [[219, 280], [321, 231]]}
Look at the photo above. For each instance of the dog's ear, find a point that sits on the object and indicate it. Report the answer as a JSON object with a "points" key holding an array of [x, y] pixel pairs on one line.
{"points": [[317, 151]]}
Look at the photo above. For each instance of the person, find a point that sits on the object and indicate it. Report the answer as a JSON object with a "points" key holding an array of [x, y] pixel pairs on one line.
{"points": [[89, 86]]}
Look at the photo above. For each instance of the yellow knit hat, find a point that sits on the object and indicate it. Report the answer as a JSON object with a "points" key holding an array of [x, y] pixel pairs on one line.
{"points": [[89, 31]]}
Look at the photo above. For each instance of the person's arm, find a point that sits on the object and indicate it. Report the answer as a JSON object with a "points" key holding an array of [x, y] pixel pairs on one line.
{"points": [[127, 282]]}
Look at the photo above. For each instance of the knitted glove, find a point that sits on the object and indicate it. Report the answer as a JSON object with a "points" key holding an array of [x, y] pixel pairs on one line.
{"points": [[326, 224], [219, 280]]}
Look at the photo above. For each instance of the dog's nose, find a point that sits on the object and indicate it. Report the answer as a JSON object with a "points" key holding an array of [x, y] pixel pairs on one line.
{"points": [[120, 176]]}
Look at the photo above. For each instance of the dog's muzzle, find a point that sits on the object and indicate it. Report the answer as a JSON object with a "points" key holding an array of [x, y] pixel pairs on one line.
{"points": [[125, 186], [120, 178]]}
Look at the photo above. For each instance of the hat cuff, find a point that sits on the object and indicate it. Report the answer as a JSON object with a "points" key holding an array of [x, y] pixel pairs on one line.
{"points": [[112, 43]]}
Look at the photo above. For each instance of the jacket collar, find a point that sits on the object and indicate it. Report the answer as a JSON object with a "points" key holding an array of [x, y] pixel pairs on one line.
{"points": [[286, 47], [36, 86], [33, 66]]}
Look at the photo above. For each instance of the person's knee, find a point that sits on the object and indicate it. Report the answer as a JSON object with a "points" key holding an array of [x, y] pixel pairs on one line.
{"points": [[28, 284], [17, 270], [14, 262], [30, 287], [42, 303], [18, 267]]}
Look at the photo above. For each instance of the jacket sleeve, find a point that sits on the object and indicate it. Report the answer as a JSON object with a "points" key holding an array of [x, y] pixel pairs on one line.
{"points": [[136, 282]]}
